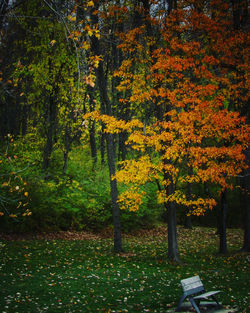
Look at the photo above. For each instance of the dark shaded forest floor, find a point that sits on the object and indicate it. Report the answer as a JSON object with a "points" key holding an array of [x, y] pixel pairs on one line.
{"points": [[160, 232]]}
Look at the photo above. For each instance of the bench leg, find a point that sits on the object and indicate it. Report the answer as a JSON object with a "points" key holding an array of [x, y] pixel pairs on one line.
{"points": [[217, 302], [194, 305], [180, 303]]}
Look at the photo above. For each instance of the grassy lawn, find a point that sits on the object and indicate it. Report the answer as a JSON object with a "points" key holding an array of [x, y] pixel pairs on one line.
{"points": [[86, 276]]}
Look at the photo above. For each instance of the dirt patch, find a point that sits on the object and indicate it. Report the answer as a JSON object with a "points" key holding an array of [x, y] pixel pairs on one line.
{"points": [[61, 235]]}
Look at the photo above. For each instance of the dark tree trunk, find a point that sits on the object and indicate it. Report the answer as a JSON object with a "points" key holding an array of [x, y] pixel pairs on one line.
{"points": [[114, 194], [51, 118], [50, 134], [188, 219], [245, 187], [173, 253], [107, 109], [92, 142], [24, 120], [246, 243], [122, 146], [67, 147], [223, 218], [65, 162], [102, 146]]}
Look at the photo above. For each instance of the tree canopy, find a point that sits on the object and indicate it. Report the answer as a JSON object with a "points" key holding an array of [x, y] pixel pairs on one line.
{"points": [[157, 89]]}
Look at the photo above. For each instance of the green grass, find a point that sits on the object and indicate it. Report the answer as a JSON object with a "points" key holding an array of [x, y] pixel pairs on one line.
{"points": [[86, 276]]}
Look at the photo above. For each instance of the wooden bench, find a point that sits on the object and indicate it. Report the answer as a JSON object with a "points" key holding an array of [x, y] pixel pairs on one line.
{"points": [[193, 289]]}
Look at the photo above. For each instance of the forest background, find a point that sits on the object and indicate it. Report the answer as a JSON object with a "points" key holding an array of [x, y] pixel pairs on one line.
{"points": [[133, 105]]}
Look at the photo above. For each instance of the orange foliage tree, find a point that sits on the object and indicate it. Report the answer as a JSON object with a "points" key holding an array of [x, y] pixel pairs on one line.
{"points": [[191, 82]]}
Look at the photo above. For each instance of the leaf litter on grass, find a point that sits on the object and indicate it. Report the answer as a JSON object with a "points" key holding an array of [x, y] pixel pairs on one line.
{"points": [[86, 276]]}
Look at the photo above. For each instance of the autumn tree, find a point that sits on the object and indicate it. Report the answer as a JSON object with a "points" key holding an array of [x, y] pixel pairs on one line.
{"points": [[187, 79]]}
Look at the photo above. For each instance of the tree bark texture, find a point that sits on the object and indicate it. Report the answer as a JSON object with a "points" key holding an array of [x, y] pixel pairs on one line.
{"points": [[106, 108], [245, 187], [188, 218], [173, 253], [50, 132], [222, 223]]}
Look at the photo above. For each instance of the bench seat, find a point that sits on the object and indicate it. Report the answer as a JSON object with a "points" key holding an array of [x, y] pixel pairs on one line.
{"points": [[206, 295], [194, 291]]}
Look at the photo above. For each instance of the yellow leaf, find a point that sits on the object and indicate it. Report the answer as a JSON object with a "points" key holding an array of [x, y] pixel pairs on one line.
{"points": [[12, 215], [90, 3], [26, 194], [52, 42], [90, 33], [89, 81], [85, 45]]}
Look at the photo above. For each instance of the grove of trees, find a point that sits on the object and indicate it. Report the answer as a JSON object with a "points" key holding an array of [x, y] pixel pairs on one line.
{"points": [[124, 114]]}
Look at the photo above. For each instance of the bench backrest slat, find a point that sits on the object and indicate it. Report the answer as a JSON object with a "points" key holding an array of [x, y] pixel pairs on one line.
{"points": [[191, 283]]}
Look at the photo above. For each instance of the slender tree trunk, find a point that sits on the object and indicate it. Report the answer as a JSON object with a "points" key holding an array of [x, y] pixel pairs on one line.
{"points": [[245, 186], [107, 109], [51, 119], [222, 228], [65, 162], [188, 219], [67, 148], [122, 146], [92, 142], [114, 194], [51, 130], [246, 243], [173, 253], [102, 146]]}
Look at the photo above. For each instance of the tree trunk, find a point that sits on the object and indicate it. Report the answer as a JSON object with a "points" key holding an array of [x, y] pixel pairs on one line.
{"points": [[92, 142], [122, 146], [102, 146], [188, 219], [107, 109], [65, 162], [246, 243], [173, 253], [114, 194], [245, 186], [50, 134], [222, 228]]}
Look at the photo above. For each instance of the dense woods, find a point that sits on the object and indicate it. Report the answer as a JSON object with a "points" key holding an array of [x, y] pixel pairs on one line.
{"points": [[124, 114]]}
